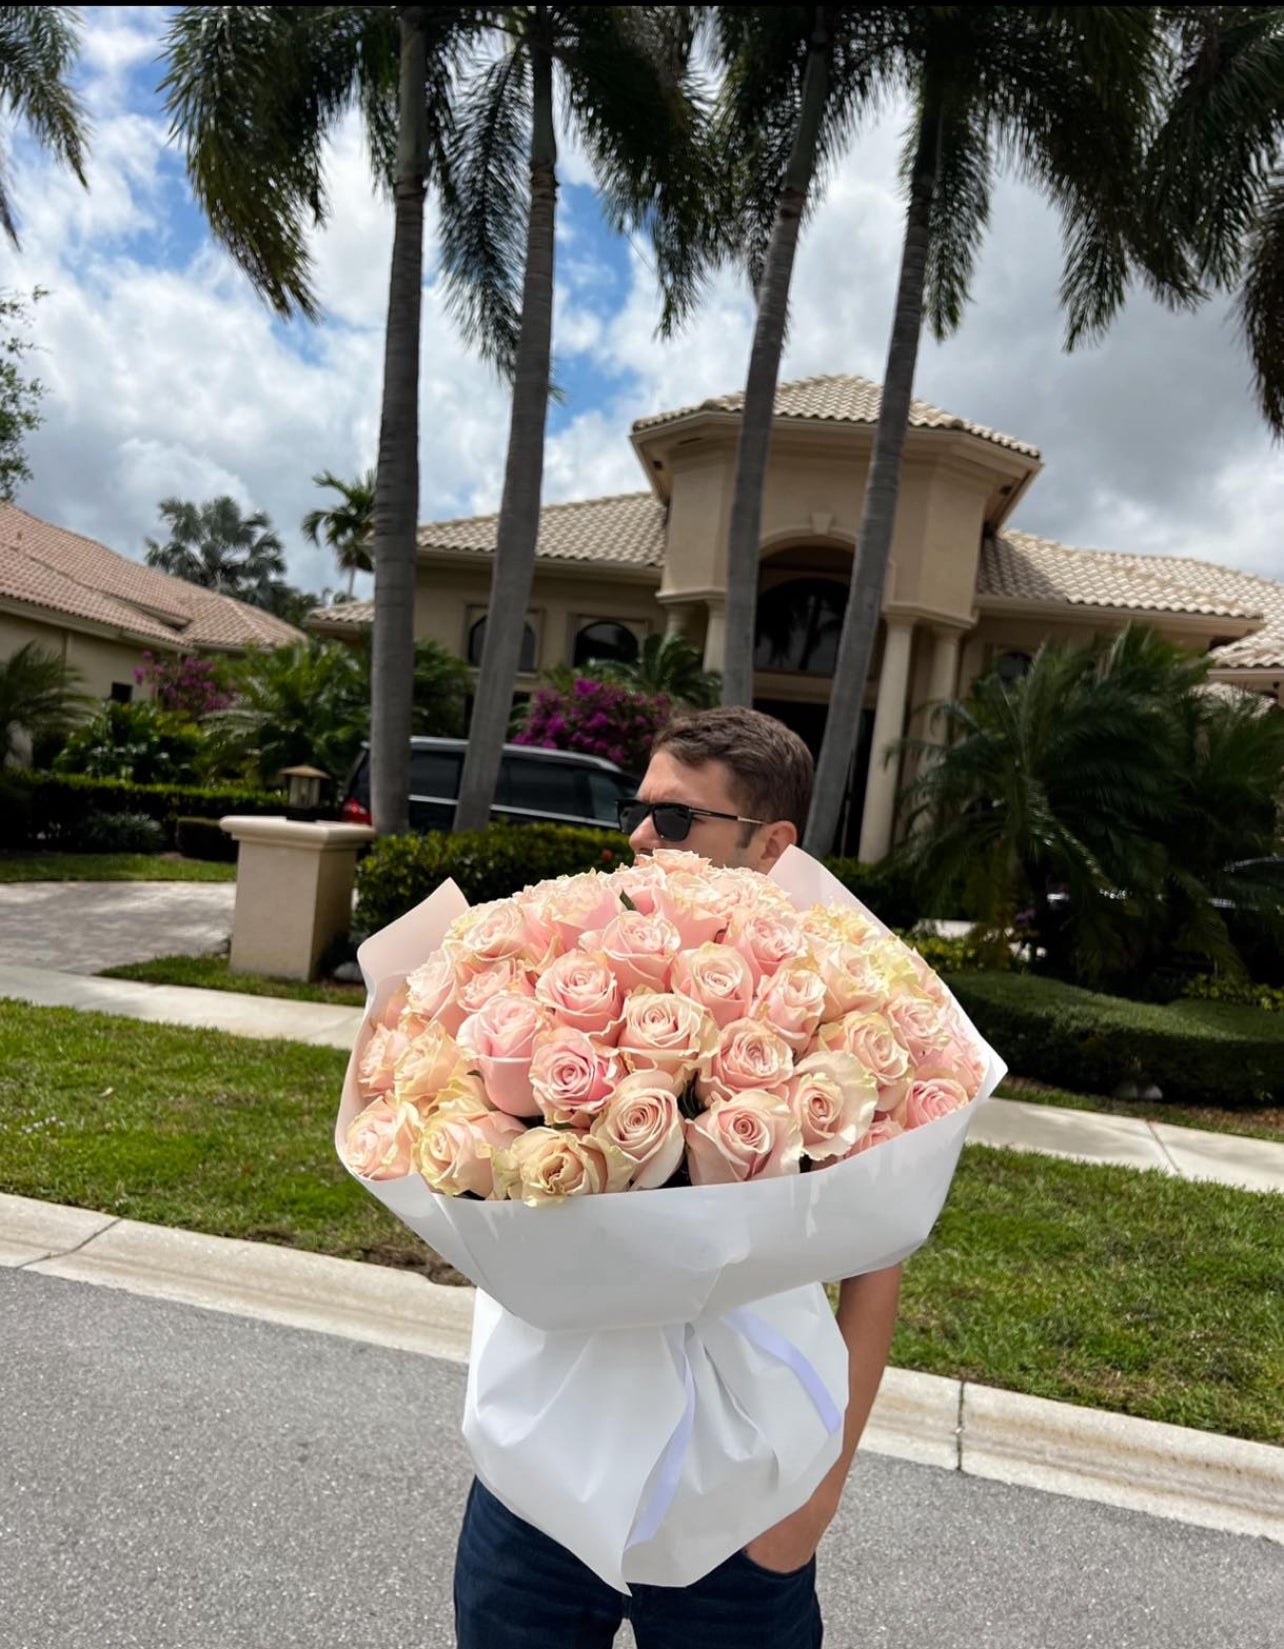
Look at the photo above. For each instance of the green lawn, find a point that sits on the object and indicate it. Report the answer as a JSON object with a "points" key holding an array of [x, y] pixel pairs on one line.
{"points": [[211, 973], [110, 867], [1100, 1286]]}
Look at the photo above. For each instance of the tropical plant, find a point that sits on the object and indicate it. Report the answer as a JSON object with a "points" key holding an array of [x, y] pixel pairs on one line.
{"points": [[20, 396], [140, 743], [306, 704], [254, 93], [623, 76], [39, 699], [597, 718], [219, 547], [1067, 96], [191, 686], [442, 685], [38, 47], [668, 666], [347, 525]]}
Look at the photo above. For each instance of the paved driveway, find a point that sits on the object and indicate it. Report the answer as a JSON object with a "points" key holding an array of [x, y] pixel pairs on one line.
{"points": [[83, 927]]}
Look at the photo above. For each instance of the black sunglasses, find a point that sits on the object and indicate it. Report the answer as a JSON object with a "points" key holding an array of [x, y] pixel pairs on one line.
{"points": [[673, 820]]}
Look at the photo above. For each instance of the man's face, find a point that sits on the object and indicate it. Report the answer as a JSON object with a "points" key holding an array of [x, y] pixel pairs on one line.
{"points": [[721, 841]]}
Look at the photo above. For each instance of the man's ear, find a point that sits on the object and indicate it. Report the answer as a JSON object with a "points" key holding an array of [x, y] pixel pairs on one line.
{"points": [[778, 836]]}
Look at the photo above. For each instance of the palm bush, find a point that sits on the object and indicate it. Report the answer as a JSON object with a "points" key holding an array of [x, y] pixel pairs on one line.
{"points": [[39, 700], [140, 743], [668, 667], [307, 704]]}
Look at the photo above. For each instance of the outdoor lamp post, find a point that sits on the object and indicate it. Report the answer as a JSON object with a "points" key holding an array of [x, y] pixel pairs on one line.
{"points": [[303, 791]]}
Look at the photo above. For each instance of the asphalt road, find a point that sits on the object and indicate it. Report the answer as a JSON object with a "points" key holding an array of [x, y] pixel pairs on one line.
{"points": [[172, 1478]]}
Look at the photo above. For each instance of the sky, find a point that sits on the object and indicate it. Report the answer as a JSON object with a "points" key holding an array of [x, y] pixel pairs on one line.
{"points": [[166, 374]]}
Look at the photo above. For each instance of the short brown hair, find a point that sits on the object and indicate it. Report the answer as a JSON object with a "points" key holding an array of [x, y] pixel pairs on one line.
{"points": [[770, 766]]}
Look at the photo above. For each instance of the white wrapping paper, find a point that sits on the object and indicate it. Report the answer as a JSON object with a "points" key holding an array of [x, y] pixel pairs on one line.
{"points": [[656, 1377]]}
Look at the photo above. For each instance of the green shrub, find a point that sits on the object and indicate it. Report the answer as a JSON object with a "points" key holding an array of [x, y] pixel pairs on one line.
{"points": [[970, 953], [1204, 1053], [118, 833], [1206, 987], [885, 888], [15, 815], [197, 838], [400, 871], [139, 743], [61, 802]]}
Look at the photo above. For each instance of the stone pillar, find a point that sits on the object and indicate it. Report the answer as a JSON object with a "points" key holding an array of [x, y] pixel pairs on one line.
{"points": [[944, 678], [679, 618], [293, 892], [889, 723], [715, 637]]}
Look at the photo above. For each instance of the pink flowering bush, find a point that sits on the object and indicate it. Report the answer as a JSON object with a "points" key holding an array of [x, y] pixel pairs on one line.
{"points": [[596, 718], [188, 686]]}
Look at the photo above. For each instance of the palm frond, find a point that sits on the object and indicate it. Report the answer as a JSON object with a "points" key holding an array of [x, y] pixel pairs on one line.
{"points": [[38, 46]]}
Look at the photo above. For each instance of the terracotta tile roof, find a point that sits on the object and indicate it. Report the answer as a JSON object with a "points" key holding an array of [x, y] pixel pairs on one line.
{"points": [[47, 566], [626, 531], [344, 615], [840, 398]]}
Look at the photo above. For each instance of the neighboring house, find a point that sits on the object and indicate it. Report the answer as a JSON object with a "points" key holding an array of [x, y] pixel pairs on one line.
{"points": [[965, 593], [100, 611]]}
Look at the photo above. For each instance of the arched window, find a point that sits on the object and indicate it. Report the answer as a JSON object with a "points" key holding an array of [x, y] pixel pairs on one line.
{"points": [[1011, 667], [799, 624], [605, 641], [477, 640]]}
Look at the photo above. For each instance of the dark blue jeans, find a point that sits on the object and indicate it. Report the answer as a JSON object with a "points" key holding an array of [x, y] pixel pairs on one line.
{"points": [[517, 1589]]}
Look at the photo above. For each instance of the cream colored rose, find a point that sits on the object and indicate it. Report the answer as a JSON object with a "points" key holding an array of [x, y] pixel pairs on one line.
{"points": [[378, 1061], [582, 992], [430, 991], [840, 924], [573, 1075], [426, 1066], [920, 1025], [550, 1164], [717, 979], [791, 1001], [456, 1148], [380, 1142], [749, 1054], [641, 1120], [873, 1041], [833, 1097], [753, 1136], [665, 1032], [853, 980]]}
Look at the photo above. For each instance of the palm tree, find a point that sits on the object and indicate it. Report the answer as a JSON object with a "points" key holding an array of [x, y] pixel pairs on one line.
{"points": [[796, 80], [1214, 172], [39, 697], [1067, 96], [669, 667], [216, 546], [622, 75], [254, 92], [346, 526], [38, 45]]}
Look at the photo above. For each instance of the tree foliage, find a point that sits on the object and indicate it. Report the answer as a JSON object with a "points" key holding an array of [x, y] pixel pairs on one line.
{"points": [[20, 395]]}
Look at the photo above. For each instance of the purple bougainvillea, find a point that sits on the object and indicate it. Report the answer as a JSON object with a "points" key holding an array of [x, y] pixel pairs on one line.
{"points": [[597, 718], [187, 685]]}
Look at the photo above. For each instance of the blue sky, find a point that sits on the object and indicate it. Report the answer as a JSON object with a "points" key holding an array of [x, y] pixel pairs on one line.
{"points": [[167, 374]]}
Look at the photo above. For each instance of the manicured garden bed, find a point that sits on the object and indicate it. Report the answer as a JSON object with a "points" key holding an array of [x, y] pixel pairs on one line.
{"points": [[211, 973]]}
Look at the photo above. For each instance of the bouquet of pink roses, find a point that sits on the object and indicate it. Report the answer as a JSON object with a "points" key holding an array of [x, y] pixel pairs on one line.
{"points": [[656, 1379]]}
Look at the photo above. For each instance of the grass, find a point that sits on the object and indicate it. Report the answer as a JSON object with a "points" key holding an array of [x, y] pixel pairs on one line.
{"points": [[1266, 1123], [211, 973], [1101, 1286], [110, 867]]}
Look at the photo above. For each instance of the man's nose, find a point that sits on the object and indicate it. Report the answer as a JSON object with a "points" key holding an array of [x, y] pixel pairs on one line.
{"points": [[644, 838]]}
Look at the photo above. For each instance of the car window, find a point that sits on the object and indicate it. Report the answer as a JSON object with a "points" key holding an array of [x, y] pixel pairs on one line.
{"points": [[606, 790], [541, 786], [434, 773]]}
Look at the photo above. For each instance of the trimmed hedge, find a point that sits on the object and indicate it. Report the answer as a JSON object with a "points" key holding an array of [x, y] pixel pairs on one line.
{"points": [[1203, 1053], [203, 839], [62, 803], [885, 888]]}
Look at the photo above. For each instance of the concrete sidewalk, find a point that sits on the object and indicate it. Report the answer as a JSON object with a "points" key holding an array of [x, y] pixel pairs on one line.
{"points": [[1081, 1136]]}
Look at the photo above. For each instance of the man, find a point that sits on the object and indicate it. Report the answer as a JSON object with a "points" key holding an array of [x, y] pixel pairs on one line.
{"points": [[733, 786]]}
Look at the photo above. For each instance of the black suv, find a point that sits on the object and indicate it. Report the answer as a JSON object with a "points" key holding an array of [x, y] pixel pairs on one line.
{"points": [[535, 786]]}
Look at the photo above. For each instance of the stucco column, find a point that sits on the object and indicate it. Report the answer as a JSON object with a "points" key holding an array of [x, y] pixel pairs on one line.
{"points": [[715, 637], [679, 618], [889, 722], [944, 679]]}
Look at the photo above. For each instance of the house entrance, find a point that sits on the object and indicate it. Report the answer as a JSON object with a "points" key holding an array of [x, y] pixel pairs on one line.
{"points": [[808, 721]]}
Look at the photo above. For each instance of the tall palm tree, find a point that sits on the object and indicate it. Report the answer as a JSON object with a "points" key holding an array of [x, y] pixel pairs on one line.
{"points": [[796, 80], [38, 46], [346, 526], [217, 546], [622, 75], [1066, 96], [254, 92]]}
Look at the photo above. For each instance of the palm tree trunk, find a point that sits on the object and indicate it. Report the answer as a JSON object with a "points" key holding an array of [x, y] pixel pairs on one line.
{"points": [[396, 507], [764, 372], [878, 517], [518, 532]]}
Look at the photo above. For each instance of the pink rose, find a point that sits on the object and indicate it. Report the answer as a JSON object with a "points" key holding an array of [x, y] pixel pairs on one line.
{"points": [[380, 1142], [573, 905], [642, 1121], [378, 1060], [691, 904], [744, 893], [852, 978], [749, 1054], [880, 1129], [920, 1025], [475, 990], [572, 1076], [930, 1097], [430, 991], [717, 979], [550, 1164], [791, 1000], [833, 1096], [873, 1041], [767, 939], [393, 1008], [664, 1032], [456, 1149], [499, 931], [638, 949], [753, 1136], [427, 1065], [501, 1036], [582, 992], [677, 861]]}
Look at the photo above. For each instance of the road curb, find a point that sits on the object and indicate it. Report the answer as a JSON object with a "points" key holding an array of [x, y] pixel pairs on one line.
{"points": [[1175, 1472]]}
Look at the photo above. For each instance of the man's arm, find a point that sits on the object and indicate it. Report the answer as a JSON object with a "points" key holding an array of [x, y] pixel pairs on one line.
{"points": [[866, 1320]]}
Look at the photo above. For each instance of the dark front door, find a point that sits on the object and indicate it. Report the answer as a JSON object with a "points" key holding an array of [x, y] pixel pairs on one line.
{"points": [[808, 721]]}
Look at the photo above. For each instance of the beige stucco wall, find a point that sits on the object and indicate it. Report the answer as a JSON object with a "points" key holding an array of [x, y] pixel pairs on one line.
{"points": [[100, 660]]}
